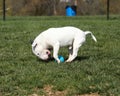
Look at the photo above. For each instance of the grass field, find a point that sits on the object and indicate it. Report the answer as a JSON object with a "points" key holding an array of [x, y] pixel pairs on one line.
{"points": [[96, 70]]}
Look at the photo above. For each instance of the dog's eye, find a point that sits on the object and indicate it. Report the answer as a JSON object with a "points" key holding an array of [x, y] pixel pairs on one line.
{"points": [[47, 52], [37, 53]]}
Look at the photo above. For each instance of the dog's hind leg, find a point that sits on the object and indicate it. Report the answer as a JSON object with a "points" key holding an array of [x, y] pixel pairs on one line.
{"points": [[76, 45], [75, 52], [70, 50]]}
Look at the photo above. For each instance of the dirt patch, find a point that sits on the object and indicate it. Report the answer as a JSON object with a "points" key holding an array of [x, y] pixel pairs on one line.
{"points": [[48, 90], [92, 94]]}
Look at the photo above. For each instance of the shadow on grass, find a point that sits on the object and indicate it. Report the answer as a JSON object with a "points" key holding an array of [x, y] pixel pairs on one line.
{"points": [[45, 61], [81, 58], [78, 58]]}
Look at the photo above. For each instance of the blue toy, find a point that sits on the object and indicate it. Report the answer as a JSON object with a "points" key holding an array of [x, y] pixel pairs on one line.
{"points": [[61, 58]]}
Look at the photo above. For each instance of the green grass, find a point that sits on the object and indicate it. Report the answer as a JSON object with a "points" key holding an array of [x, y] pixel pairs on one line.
{"points": [[95, 70]]}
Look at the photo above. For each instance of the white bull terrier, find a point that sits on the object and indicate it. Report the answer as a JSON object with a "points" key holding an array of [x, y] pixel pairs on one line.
{"points": [[57, 37]]}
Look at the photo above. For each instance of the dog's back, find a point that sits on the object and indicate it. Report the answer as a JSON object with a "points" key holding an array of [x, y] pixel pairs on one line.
{"points": [[64, 35]]}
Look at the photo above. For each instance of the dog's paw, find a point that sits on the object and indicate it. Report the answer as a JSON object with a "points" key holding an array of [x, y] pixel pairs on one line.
{"points": [[68, 61], [58, 61]]}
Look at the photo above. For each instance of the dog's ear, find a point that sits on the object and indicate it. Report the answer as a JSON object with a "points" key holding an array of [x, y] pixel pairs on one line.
{"points": [[34, 46]]}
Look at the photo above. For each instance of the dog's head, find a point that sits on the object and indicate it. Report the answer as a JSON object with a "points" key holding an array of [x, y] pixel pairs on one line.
{"points": [[41, 53]]}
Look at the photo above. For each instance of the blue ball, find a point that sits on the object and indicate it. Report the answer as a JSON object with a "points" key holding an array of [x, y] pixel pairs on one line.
{"points": [[61, 58]]}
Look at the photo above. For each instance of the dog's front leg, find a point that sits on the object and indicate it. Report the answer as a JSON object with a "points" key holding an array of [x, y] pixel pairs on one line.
{"points": [[55, 52]]}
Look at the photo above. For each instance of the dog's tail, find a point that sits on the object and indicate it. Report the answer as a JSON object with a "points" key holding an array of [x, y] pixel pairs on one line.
{"points": [[93, 37]]}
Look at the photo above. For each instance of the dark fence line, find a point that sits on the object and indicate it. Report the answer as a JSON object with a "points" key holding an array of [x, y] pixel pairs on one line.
{"points": [[4, 9]]}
